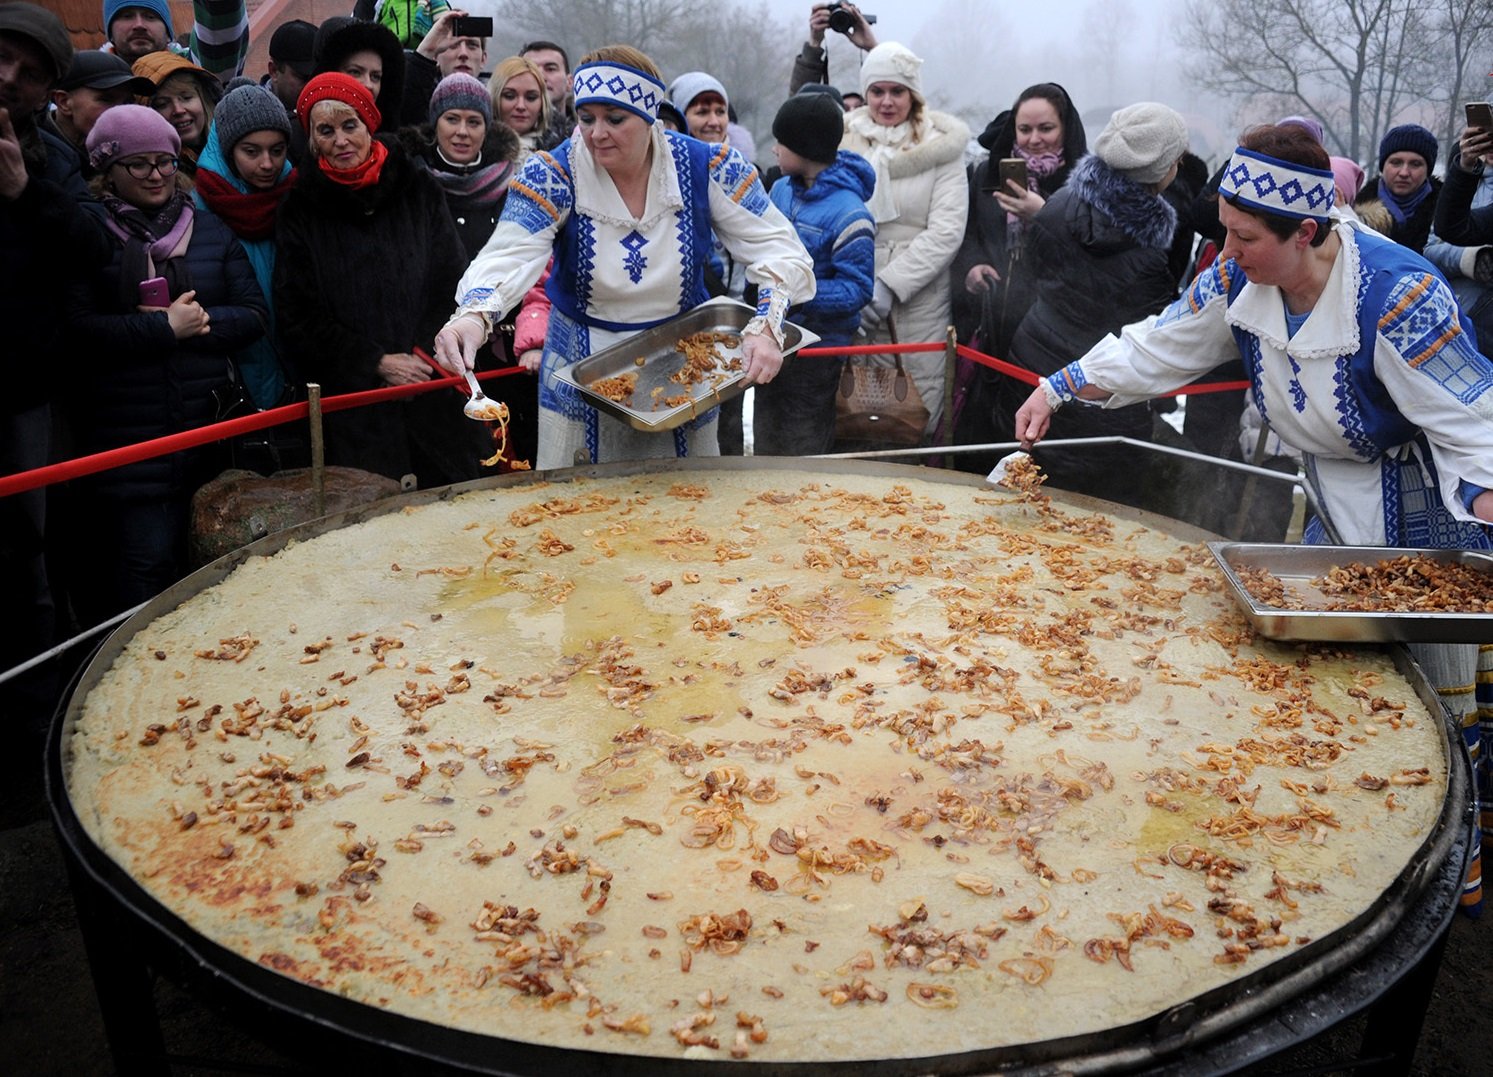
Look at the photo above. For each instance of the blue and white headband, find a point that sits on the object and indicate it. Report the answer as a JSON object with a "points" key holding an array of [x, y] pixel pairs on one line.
{"points": [[1275, 186], [618, 86]]}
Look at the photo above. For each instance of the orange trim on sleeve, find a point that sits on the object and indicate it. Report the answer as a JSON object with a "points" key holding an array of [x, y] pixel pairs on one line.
{"points": [[1421, 287]]}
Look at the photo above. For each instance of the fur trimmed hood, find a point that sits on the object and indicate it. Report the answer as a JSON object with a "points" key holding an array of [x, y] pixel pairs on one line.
{"points": [[1102, 202], [944, 139]]}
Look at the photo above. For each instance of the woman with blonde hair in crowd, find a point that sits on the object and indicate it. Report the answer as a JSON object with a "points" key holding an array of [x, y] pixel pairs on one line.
{"points": [[519, 101]]}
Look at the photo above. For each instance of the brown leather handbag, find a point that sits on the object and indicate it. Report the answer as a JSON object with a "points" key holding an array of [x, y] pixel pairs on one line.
{"points": [[879, 403]]}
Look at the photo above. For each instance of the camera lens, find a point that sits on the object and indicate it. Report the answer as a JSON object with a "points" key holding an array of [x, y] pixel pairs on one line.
{"points": [[841, 22]]}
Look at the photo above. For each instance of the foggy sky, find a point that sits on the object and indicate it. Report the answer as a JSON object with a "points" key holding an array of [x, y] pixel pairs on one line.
{"points": [[1002, 48]]}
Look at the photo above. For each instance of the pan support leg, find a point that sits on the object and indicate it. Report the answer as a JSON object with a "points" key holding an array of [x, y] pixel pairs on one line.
{"points": [[1396, 1019], [123, 982]]}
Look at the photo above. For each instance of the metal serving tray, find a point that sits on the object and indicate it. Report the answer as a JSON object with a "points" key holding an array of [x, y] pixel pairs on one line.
{"points": [[1297, 566], [660, 362]]}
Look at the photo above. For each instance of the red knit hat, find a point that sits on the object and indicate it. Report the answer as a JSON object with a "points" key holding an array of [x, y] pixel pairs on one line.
{"points": [[335, 86]]}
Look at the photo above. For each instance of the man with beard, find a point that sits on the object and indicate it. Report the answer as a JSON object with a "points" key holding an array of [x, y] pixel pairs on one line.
{"points": [[46, 239], [220, 33]]}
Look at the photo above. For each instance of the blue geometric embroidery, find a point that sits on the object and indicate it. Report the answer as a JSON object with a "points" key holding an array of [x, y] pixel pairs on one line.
{"points": [[1249, 351], [475, 295], [1253, 179], [1414, 512], [623, 84], [565, 343], [1298, 394], [683, 220], [635, 263], [1209, 285], [1350, 417], [539, 195], [585, 260], [738, 177], [1419, 334]]}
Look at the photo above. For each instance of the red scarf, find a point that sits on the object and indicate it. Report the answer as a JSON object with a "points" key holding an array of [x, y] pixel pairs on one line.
{"points": [[249, 215], [364, 175]]}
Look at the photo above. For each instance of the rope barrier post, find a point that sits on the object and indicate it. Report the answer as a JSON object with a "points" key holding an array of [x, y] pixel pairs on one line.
{"points": [[318, 449], [1246, 501], [950, 373]]}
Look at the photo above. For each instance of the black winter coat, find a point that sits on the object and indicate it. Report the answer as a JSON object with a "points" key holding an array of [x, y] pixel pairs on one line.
{"points": [[474, 222], [48, 238], [996, 312], [1098, 255], [139, 381], [361, 274]]}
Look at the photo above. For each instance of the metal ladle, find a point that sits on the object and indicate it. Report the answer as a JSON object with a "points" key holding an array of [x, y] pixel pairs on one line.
{"points": [[479, 406]]}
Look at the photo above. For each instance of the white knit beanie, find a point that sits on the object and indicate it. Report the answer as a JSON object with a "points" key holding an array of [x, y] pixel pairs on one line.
{"points": [[1143, 141], [891, 62], [690, 85]]}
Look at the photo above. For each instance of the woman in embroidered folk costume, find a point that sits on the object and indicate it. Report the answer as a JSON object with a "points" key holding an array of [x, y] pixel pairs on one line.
{"points": [[1358, 357], [920, 204], [627, 211]]}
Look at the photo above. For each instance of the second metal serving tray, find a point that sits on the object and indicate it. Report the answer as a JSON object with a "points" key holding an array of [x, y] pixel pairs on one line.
{"points": [[651, 356], [1297, 566]]}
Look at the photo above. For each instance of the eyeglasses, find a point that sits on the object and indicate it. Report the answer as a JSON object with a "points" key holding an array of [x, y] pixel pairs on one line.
{"points": [[141, 169]]}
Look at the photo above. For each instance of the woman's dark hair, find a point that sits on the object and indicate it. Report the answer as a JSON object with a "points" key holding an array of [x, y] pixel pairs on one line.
{"points": [[1050, 92], [1291, 143]]}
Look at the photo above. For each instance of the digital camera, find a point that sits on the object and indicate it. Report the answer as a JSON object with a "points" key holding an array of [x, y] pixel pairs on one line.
{"points": [[842, 21]]}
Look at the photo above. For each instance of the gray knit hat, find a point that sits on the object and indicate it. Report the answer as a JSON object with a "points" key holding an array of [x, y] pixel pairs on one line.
{"points": [[1143, 141], [460, 90], [42, 27], [246, 110]]}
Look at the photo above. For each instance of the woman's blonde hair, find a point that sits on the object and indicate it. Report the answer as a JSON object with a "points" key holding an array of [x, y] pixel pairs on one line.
{"points": [[509, 69], [623, 54], [204, 94]]}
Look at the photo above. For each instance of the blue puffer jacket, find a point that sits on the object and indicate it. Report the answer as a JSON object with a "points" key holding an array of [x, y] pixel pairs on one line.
{"points": [[140, 382], [832, 220]]}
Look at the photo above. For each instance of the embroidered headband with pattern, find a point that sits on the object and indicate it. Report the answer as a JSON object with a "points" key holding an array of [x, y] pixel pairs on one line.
{"points": [[1276, 186], [618, 85]]}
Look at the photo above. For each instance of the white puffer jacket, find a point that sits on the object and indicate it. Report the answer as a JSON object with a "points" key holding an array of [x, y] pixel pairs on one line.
{"points": [[920, 205]]}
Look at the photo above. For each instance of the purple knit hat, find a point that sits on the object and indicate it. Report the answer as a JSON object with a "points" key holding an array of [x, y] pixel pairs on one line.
{"points": [[126, 130], [460, 90]]}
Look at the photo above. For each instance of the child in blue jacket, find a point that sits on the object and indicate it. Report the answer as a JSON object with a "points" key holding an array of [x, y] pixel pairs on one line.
{"points": [[823, 192]]}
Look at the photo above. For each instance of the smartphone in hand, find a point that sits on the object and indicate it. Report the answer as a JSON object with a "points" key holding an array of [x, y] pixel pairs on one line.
{"points": [[471, 26], [1479, 114], [155, 293], [1011, 168]]}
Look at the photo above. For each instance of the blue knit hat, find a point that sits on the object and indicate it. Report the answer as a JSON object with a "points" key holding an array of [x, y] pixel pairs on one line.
{"points": [[1409, 138], [156, 7]]}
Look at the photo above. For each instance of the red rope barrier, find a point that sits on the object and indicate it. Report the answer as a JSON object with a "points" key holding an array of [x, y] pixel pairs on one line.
{"points": [[872, 349], [80, 466], [1023, 375], [1011, 370]]}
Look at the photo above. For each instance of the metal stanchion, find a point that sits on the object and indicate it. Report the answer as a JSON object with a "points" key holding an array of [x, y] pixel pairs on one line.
{"points": [[950, 374], [318, 448]]}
